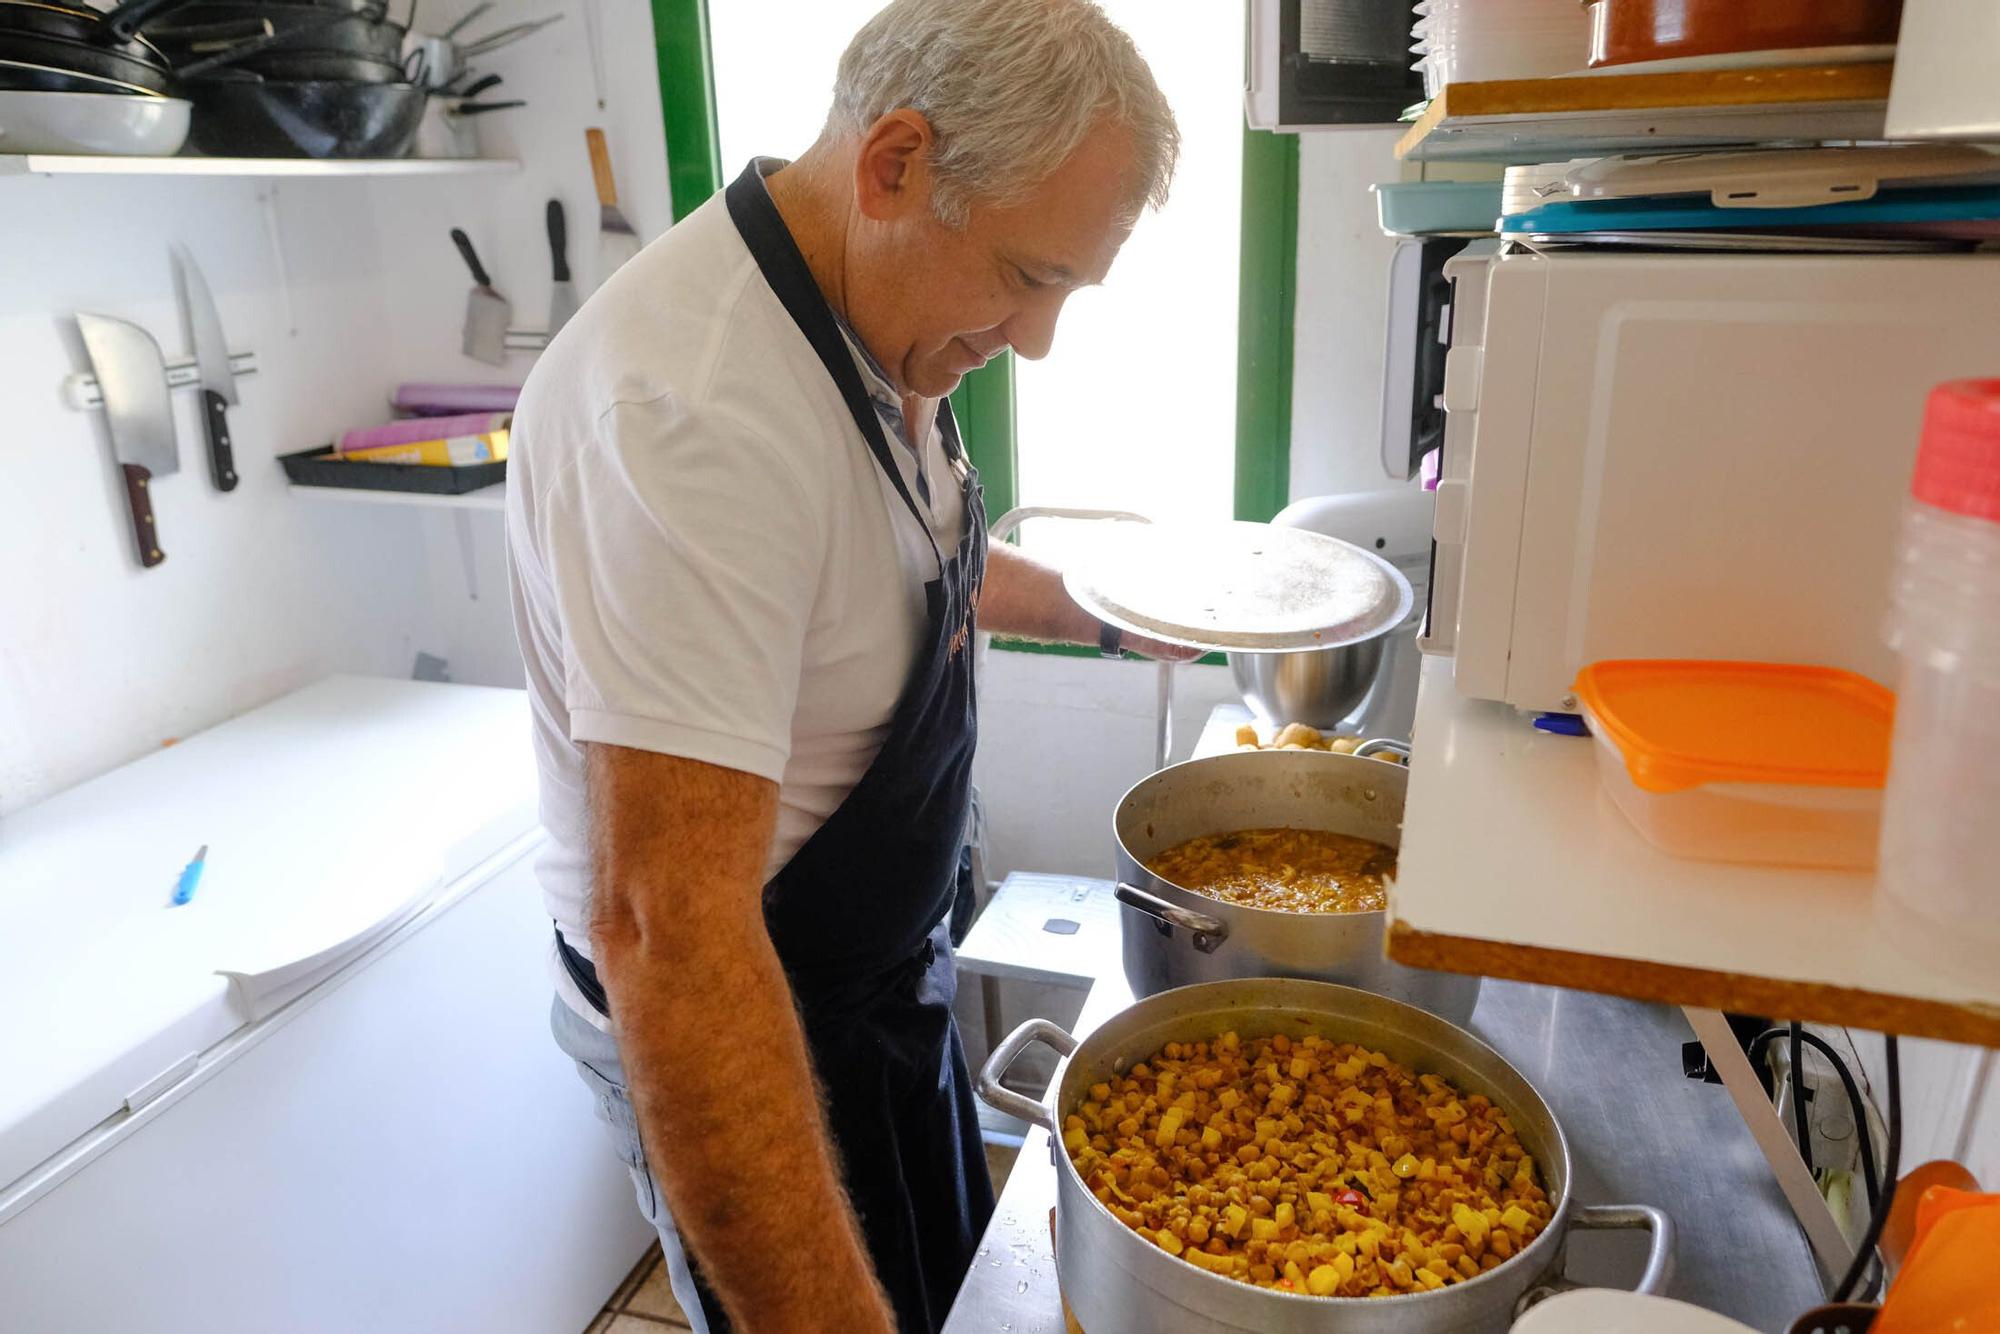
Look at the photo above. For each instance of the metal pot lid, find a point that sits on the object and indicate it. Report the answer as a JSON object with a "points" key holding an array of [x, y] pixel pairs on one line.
{"points": [[1248, 587]]}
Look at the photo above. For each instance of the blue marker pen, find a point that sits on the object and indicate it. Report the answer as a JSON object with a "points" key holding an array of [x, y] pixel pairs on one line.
{"points": [[190, 877]]}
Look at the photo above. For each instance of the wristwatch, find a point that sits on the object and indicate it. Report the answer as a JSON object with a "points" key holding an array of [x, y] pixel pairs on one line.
{"points": [[1110, 640]]}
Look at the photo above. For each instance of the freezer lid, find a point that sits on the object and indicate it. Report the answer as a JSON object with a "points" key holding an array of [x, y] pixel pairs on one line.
{"points": [[331, 815]]}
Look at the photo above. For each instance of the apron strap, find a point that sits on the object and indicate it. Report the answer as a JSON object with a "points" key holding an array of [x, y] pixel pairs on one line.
{"points": [[785, 269]]}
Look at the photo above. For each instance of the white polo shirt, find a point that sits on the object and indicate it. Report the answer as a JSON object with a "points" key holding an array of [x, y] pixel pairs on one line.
{"points": [[705, 559]]}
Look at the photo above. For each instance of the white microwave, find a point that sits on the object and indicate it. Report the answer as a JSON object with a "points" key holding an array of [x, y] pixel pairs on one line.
{"points": [[1684, 455]]}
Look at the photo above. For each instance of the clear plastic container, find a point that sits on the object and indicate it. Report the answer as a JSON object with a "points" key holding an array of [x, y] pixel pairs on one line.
{"points": [[1938, 891], [1742, 761]]}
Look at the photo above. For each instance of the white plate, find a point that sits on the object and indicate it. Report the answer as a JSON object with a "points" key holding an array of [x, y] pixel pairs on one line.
{"points": [[95, 124], [1797, 55], [1608, 1311]]}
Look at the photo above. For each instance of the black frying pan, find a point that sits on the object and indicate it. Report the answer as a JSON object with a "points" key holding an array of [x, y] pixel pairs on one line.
{"points": [[307, 65], [321, 28], [117, 27], [16, 76], [317, 118], [60, 56], [58, 39]]}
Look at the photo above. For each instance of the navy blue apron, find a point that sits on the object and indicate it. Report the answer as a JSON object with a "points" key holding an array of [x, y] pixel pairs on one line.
{"points": [[860, 915]]}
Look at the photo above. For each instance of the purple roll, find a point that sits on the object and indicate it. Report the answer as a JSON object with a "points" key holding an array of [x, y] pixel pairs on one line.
{"points": [[418, 429]]}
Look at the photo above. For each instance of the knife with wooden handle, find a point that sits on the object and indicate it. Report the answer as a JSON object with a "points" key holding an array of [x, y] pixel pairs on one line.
{"points": [[132, 377], [211, 354]]}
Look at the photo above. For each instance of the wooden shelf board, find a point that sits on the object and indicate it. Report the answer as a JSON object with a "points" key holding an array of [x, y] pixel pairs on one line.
{"points": [[1583, 114], [1514, 865]]}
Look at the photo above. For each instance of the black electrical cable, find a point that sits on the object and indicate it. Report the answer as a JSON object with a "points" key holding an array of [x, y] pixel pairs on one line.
{"points": [[1799, 1121], [1865, 1252], [1856, 1104]]}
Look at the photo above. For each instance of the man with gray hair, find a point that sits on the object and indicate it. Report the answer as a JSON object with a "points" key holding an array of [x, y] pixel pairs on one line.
{"points": [[748, 557]]}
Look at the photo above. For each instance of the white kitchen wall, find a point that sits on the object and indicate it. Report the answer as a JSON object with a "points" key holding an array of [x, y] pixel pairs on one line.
{"points": [[100, 661], [263, 591], [1951, 1101], [1342, 312]]}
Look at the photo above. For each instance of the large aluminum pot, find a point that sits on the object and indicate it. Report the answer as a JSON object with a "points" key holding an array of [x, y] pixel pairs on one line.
{"points": [[1118, 1283], [1173, 936]]}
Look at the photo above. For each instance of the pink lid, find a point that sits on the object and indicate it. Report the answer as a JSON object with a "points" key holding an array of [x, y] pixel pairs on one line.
{"points": [[1958, 461]]}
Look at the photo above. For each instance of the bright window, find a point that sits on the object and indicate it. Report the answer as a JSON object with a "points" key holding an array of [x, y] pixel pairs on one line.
{"points": [[1135, 406], [774, 67]]}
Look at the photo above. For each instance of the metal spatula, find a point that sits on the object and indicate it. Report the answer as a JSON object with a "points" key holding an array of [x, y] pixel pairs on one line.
{"points": [[486, 311], [616, 240]]}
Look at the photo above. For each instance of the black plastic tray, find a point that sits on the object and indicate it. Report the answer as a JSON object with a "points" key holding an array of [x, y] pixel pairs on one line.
{"points": [[323, 467]]}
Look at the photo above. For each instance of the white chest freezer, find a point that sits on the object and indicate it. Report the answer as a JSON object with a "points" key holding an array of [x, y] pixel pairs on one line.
{"points": [[321, 1095]]}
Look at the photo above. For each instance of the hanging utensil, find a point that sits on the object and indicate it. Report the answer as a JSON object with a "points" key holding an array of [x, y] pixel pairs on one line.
{"points": [[132, 377], [616, 240], [593, 36], [494, 41], [469, 16], [562, 294], [486, 312], [480, 86], [480, 108], [211, 355]]}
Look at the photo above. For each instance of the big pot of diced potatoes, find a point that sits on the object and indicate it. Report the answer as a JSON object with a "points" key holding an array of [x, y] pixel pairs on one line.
{"points": [[1295, 1157], [1174, 933]]}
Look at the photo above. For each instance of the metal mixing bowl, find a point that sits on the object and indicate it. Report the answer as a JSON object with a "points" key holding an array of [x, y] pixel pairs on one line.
{"points": [[1318, 687]]}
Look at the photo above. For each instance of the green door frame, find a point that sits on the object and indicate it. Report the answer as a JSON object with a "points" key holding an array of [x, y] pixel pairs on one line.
{"points": [[984, 400]]}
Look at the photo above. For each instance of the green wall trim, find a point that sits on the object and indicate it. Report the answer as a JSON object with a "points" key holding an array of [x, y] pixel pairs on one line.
{"points": [[687, 102], [1090, 651], [983, 403], [1267, 288]]}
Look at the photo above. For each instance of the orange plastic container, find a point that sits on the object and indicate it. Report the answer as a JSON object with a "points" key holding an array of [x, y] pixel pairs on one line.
{"points": [[1743, 761]]}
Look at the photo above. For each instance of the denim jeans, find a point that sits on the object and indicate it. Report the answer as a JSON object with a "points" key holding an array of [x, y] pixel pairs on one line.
{"points": [[596, 1055]]}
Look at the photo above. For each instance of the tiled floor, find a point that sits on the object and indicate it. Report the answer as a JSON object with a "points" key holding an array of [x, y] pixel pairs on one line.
{"points": [[644, 1303]]}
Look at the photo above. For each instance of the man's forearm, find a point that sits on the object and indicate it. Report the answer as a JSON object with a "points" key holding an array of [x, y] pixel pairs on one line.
{"points": [[718, 1069], [1025, 599]]}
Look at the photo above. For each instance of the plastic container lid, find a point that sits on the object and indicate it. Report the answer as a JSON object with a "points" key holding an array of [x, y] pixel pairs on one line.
{"points": [[1680, 724], [1958, 461]]}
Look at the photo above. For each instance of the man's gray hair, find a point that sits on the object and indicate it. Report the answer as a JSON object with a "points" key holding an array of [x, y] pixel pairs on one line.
{"points": [[1010, 88]]}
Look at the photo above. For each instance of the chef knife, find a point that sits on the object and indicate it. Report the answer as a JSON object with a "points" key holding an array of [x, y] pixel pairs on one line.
{"points": [[616, 241], [211, 355], [132, 377], [562, 296], [486, 311]]}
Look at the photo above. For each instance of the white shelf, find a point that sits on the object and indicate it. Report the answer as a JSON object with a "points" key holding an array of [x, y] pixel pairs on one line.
{"points": [[486, 498], [60, 164], [1514, 864]]}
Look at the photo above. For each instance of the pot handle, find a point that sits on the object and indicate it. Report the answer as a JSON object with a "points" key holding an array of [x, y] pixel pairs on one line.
{"points": [[1208, 932], [1659, 1269], [1001, 1098], [1370, 748]]}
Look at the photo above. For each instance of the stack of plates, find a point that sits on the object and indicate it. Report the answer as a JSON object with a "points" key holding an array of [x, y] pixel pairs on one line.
{"points": [[1470, 41], [1532, 185]]}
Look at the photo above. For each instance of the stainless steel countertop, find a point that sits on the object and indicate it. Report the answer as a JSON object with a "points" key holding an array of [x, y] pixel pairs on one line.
{"points": [[1639, 1134]]}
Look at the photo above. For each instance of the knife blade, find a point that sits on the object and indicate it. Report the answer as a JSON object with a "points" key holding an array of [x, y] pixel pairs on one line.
{"points": [[487, 313], [132, 376], [211, 355], [562, 295]]}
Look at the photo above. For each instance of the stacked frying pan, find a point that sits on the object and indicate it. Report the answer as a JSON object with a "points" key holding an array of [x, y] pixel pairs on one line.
{"points": [[292, 78], [266, 78], [76, 80]]}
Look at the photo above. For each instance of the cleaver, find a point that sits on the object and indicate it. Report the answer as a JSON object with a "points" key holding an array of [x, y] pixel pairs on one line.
{"points": [[486, 311], [132, 376]]}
